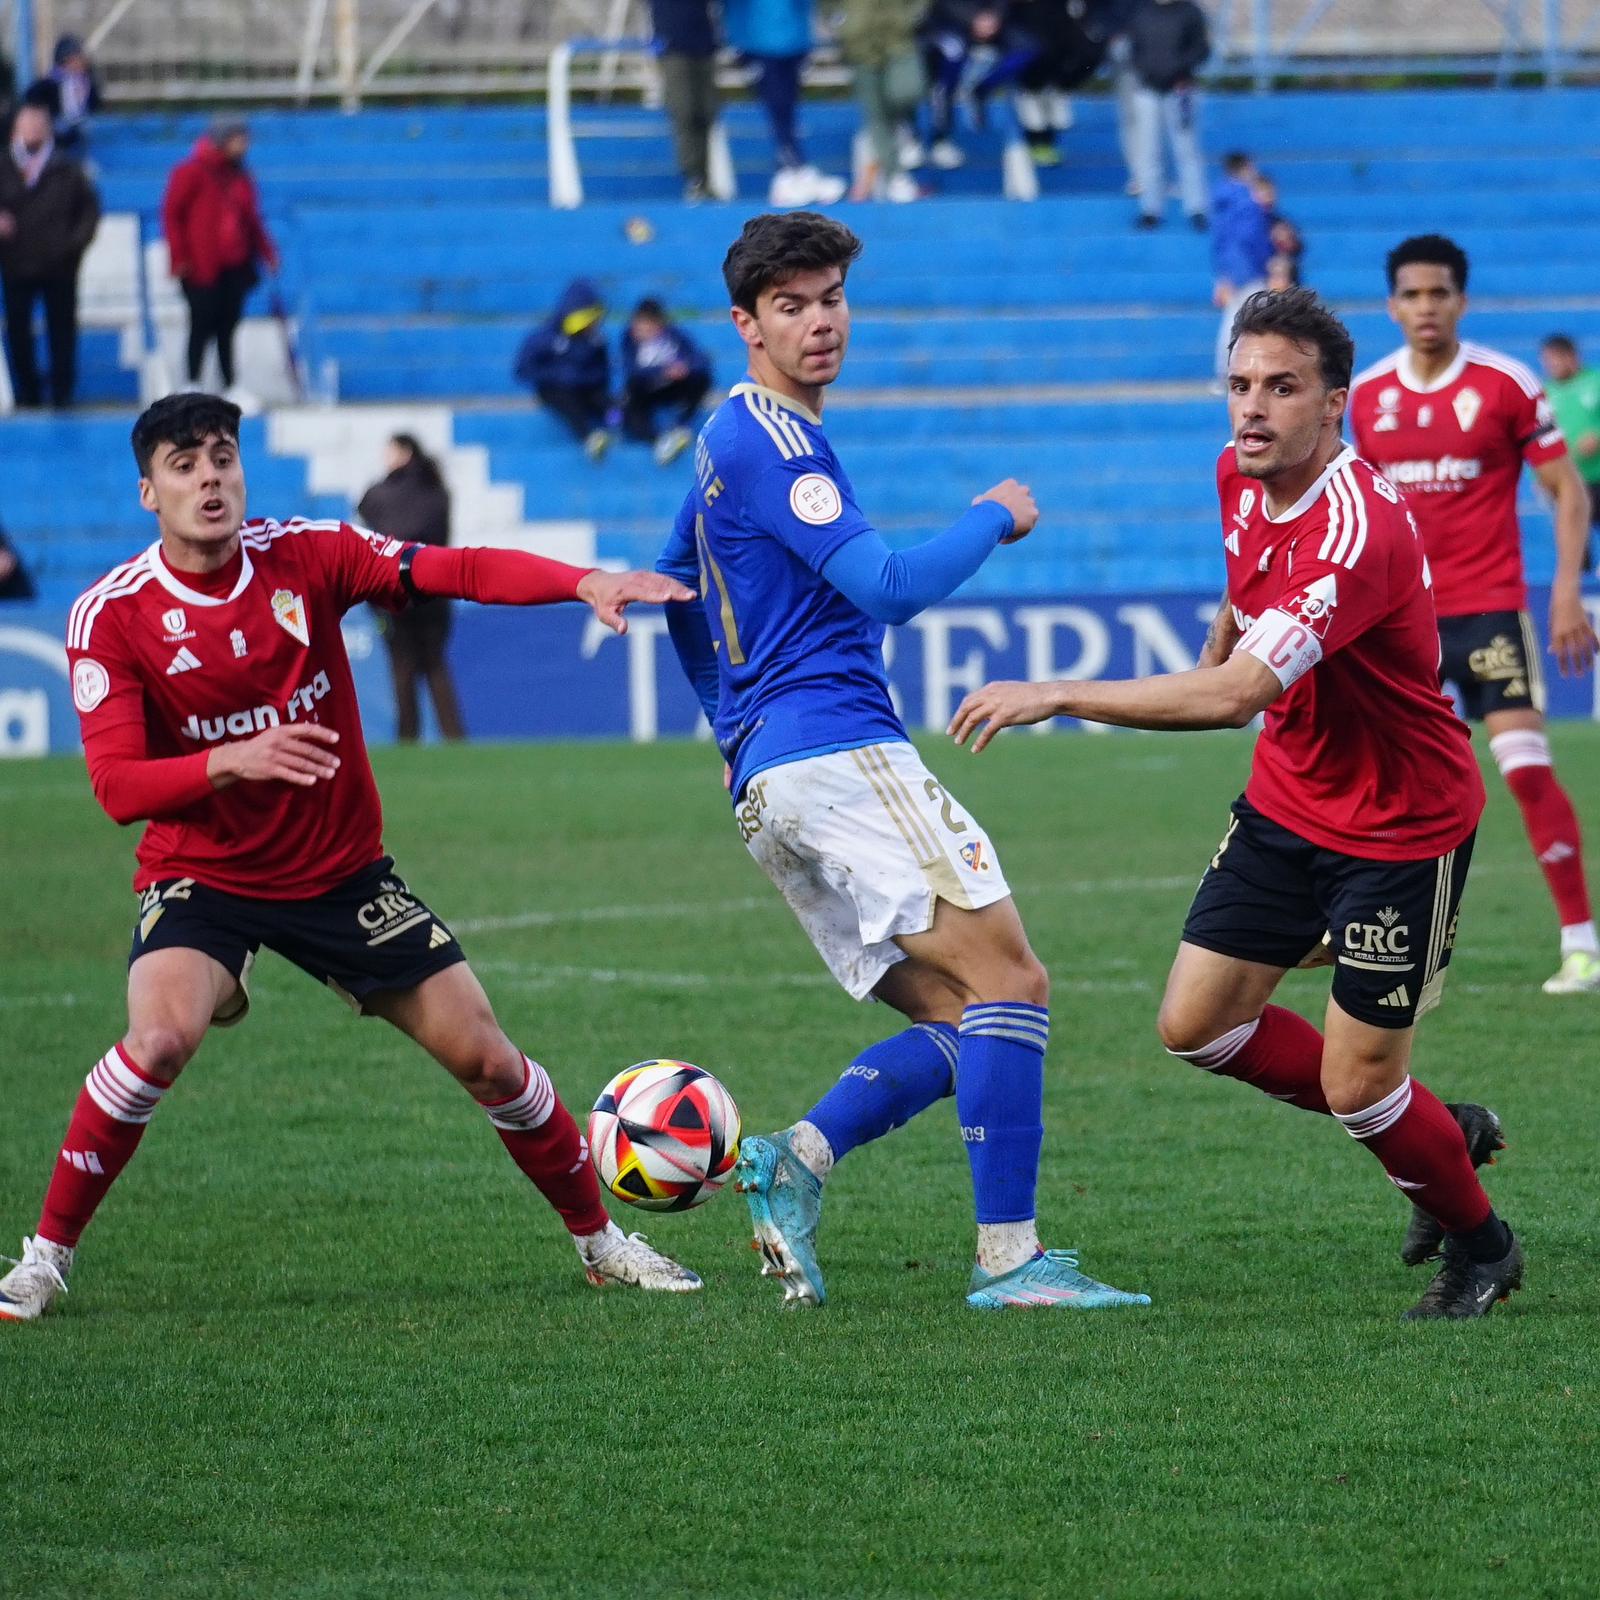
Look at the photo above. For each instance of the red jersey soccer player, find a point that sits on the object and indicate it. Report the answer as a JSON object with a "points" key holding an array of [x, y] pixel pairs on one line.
{"points": [[216, 700], [1363, 798], [1451, 424]]}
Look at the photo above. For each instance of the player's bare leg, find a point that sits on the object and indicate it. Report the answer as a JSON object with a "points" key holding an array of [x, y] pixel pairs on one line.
{"points": [[172, 996], [1521, 749], [450, 1016], [1215, 1015]]}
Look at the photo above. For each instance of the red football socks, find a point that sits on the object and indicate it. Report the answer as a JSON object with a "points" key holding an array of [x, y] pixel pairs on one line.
{"points": [[1425, 1154], [1523, 756], [117, 1099], [1280, 1053], [546, 1145]]}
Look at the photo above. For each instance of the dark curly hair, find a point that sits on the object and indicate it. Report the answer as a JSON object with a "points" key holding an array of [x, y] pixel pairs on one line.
{"points": [[1301, 318], [1428, 250], [183, 421], [779, 245]]}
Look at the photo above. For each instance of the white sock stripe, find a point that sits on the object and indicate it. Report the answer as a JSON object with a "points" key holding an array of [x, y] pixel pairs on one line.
{"points": [[120, 1092], [531, 1108], [1372, 1120], [1220, 1051], [1034, 1041], [947, 1046], [983, 1019], [1521, 747]]}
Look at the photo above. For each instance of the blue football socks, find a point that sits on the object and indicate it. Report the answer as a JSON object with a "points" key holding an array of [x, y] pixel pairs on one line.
{"points": [[1000, 1101], [887, 1085]]}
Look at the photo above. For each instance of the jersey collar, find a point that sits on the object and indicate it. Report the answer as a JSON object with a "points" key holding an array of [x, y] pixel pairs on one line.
{"points": [[1407, 373], [170, 581], [1316, 491], [778, 399]]}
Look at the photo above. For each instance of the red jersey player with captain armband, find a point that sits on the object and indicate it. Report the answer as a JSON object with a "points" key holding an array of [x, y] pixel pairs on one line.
{"points": [[217, 703], [1451, 424], [1362, 804]]}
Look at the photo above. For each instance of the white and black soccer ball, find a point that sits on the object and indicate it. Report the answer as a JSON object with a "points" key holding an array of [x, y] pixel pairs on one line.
{"points": [[664, 1135]]}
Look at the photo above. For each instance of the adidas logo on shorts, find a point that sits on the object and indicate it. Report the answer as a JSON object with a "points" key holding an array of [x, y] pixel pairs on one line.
{"points": [[1396, 997]]}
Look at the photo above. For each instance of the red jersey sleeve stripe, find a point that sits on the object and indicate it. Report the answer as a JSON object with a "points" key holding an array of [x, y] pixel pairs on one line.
{"points": [[1522, 376], [87, 621], [1356, 501], [86, 600]]}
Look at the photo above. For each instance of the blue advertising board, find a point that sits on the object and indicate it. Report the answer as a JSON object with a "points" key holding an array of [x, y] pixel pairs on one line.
{"points": [[554, 672]]}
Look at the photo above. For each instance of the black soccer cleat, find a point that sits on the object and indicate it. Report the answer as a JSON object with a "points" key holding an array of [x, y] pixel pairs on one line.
{"points": [[1481, 1128], [1465, 1288]]}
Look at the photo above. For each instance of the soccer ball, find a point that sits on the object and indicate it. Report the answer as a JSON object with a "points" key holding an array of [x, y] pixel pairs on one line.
{"points": [[664, 1135]]}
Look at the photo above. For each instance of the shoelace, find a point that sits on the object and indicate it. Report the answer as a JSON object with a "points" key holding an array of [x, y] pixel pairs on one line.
{"points": [[1451, 1279], [37, 1263]]}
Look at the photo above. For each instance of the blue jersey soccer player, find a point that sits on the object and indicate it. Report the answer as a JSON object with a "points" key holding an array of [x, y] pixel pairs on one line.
{"points": [[898, 887]]}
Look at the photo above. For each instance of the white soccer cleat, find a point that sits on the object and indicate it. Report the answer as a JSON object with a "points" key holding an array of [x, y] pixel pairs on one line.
{"points": [[628, 1259], [35, 1282], [902, 189], [947, 155], [1579, 974]]}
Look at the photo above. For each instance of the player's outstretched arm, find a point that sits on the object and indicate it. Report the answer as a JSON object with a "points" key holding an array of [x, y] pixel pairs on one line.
{"points": [[894, 585], [515, 578], [1572, 636], [609, 594], [1227, 696]]}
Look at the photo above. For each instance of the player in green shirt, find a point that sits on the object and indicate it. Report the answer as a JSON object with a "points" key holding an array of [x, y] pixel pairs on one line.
{"points": [[1574, 392]]}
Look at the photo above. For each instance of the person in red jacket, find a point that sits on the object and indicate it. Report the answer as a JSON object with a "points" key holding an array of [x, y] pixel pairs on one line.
{"points": [[217, 242]]}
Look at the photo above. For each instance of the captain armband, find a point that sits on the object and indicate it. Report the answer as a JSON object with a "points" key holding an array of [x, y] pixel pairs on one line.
{"points": [[1285, 646]]}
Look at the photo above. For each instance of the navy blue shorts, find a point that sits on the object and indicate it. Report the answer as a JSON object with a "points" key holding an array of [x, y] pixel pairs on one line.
{"points": [[368, 934], [1271, 896]]}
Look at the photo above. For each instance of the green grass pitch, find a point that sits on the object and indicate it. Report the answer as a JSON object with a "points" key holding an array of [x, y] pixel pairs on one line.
{"points": [[323, 1340]]}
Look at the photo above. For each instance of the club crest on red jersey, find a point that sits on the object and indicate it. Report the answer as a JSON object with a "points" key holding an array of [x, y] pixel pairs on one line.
{"points": [[1466, 405], [290, 611], [1313, 606]]}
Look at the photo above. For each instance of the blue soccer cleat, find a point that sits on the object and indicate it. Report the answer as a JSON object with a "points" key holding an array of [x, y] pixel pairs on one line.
{"points": [[1050, 1281], [785, 1200]]}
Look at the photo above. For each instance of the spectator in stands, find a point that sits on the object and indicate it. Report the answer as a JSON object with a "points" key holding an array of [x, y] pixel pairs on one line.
{"points": [[15, 582], [774, 38], [1241, 245], [217, 244], [48, 215], [665, 376], [8, 85], [1168, 40], [565, 362], [1574, 392], [878, 38], [952, 32], [411, 502], [1288, 246], [1068, 50], [1110, 18], [70, 92], [687, 45]]}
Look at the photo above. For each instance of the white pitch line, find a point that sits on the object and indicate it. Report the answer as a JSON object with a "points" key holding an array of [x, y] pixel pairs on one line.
{"points": [[552, 919]]}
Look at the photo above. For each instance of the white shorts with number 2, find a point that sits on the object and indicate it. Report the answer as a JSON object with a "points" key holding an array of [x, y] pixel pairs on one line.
{"points": [[863, 844]]}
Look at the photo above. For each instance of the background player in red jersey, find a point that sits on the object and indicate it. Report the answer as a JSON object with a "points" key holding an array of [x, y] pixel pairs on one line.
{"points": [[216, 700], [1363, 798], [1451, 424]]}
